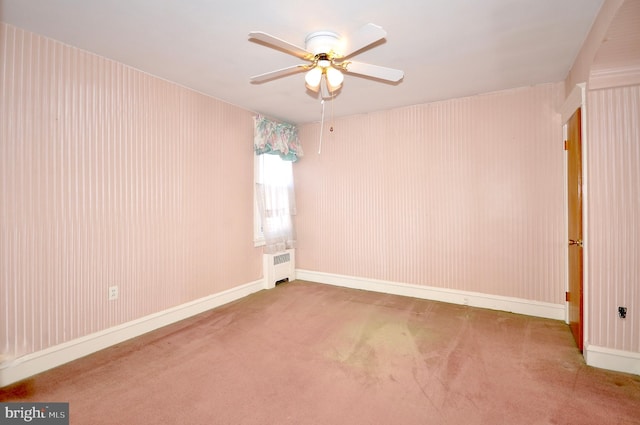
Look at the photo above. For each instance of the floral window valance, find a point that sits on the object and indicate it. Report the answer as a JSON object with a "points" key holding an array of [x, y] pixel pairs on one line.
{"points": [[276, 138]]}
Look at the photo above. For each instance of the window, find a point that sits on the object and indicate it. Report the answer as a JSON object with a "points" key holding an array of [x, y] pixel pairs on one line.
{"points": [[268, 170]]}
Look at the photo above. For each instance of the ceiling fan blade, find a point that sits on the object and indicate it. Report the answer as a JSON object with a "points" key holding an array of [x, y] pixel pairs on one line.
{"points": [[278, 73], [374, 71], [362, 38], [283, 45]]}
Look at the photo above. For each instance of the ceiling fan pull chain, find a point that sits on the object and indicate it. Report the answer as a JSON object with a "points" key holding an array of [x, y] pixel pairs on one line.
{"points": [[332, 122], [321, 126]]}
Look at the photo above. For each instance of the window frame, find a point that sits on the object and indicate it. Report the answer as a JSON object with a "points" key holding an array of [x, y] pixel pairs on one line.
{"points": [[258, 235]]}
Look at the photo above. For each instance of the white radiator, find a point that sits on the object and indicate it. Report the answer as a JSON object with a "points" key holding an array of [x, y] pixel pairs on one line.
{"points": [[279, 267]]}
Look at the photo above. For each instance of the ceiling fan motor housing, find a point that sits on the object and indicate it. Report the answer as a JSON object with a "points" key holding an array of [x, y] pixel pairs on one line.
{"points": [[323, 42]]}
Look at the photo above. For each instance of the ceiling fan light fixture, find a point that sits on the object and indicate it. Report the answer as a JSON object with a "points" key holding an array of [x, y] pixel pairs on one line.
{"points": [[334, 78], [312, 78]]}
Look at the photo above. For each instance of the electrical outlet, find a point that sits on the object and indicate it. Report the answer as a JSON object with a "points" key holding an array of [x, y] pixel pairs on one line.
{"points": [[622, 312], [113, 293]]}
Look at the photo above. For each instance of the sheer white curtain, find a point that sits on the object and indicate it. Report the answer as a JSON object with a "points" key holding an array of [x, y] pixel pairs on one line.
{"points": [[276, 203]]}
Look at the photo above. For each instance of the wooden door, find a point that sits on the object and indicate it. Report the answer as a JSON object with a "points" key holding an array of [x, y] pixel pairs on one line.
{"points": [[574, 186]]}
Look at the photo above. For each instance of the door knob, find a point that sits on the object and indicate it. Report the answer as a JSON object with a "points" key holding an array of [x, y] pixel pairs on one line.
{"points": [[575, 242]]}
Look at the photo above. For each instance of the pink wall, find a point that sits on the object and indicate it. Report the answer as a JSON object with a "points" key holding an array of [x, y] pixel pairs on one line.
{"points": [[465, 194], [109, 176], [614, 228], [610, 58]]}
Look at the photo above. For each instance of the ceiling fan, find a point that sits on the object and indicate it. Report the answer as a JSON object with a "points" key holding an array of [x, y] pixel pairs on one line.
{"points": [[327, 54]]}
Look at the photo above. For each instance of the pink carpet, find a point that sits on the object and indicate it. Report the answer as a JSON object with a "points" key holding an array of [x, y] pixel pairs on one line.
{"points": [[306, 353]]}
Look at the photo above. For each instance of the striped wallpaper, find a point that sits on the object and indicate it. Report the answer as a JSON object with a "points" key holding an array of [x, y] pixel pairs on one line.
{"points": [[613, 173], [110, 176], [465, 194]]}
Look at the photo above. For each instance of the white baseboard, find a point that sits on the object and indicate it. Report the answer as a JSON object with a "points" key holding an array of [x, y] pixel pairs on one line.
{"points": [[21, 368], [610, 359], [34, 363], [473, 299]]}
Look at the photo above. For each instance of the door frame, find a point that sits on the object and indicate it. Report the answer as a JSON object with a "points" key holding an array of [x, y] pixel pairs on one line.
{"points": [[575, 100]]}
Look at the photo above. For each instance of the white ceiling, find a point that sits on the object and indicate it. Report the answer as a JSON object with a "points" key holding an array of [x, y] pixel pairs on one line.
{"points": [[447, 48]]}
